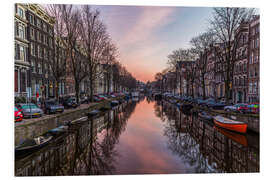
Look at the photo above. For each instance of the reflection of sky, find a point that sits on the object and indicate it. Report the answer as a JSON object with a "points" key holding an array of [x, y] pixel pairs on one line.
{"points": [[146, 35], [143, 147]]}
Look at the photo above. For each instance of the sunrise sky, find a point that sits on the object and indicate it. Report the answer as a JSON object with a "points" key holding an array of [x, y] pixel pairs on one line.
{"points": [[145, 35]]}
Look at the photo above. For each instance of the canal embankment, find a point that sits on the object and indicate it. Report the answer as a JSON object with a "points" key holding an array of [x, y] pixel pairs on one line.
{"points": [[252, 120], [30, 128]]}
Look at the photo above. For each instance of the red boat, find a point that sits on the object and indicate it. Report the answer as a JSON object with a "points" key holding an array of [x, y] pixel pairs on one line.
{"points": [[229, 124], [239, 138]]}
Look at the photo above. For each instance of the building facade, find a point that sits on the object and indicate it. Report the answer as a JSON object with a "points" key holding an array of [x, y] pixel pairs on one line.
{"points": [[41, 50], [254, 60], [22, 62], [240, 76]]}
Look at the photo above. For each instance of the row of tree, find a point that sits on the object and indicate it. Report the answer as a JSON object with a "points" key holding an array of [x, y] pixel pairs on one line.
{"points": [[82, 45], [221, 35]]}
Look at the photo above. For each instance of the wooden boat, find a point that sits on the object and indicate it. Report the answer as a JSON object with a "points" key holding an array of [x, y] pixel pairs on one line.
{"points": [[230, 124], [58, 130], [93, 113], [31, 145], [82, 119], [239, 138]]}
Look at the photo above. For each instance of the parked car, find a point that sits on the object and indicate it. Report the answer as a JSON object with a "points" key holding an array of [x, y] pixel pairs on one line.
{"points": [[51, 106], [29, 110], [253, 108], [102, 97], [215, 105], [241, 108], [85, 100], [18, 114], [70, 102]]}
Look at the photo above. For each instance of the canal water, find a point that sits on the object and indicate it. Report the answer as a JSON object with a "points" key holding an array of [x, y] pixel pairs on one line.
{"points": [[143, 136]]}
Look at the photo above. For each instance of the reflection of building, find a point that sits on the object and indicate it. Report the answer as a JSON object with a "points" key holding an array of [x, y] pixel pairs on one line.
{"points": [[219, 151], [70, 153]]}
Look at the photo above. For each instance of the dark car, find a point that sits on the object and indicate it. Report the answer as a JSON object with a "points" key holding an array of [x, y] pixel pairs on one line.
{"points": [[51, 106], [85, 100], [215, 105], [70, 102], [29, 110]]}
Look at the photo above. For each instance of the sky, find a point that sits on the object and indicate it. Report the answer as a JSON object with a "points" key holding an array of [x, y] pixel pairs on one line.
{"points": [[146, 35]]}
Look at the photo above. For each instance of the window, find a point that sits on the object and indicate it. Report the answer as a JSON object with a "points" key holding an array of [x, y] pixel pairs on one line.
{"points": [[21, 12], [39, 52], [38, 23], [31, 19], [45, 69], [21, 31], [32, 33], [33, 64], [39, 68], [33, 53], [22, 53], [50, 42], [250, 88], [45, 53], [251, 58], [44, 27], [38, 36], [50, 31], [45, 39], [257, 42]]}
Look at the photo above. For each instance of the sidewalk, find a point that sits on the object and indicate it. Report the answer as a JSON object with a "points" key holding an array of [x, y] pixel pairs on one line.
{"points": [[45, 116]]}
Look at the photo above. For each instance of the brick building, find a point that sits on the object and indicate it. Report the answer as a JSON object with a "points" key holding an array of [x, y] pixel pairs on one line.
{"points": [[254, 60], [240, 75]]}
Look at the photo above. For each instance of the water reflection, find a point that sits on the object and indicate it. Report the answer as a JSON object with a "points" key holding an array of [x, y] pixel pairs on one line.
{"points": [[143, 136], [207, 148], [87, 149]]}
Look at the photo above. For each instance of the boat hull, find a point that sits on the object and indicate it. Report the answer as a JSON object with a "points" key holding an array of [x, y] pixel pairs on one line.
{"points": [[239, 138], [241, 128]]}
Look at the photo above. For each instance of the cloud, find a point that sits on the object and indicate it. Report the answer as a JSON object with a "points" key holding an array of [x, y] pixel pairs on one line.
{"points": [[149, 20]]}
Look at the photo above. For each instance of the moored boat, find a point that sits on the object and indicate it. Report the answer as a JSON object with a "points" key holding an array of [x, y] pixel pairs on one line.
{"points": [[93, 113], [239, 138], [31, 145], [229, 124]]}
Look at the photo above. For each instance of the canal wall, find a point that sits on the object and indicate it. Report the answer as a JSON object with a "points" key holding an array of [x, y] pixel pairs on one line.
{"points": [[252, 120], [35, 127]]}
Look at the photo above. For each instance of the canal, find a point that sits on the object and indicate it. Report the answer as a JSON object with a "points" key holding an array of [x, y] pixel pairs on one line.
{"points": [[143, 137]]}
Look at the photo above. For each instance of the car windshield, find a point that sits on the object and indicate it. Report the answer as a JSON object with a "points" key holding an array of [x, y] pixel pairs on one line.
{"points": [[28, 106]]}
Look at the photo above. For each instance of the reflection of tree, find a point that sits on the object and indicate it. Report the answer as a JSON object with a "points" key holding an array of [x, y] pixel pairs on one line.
{"points": [[180, 141]]}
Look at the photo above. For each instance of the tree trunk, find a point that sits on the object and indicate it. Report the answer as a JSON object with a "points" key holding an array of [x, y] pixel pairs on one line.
{"points": [[77, 91]]}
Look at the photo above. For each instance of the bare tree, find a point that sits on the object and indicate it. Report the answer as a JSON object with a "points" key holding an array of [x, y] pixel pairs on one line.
{"points": [[76, 54], [97, 44], [57, 59], [199, 47], [224, 24]]}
